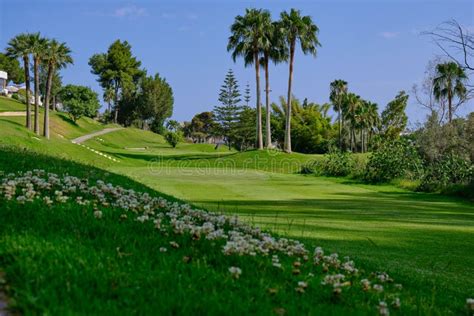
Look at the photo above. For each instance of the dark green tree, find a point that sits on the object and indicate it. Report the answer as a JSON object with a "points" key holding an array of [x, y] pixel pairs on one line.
{"points": [[148, 106], [227, 113], [11, 65], [118, 70], [244, 136], [79, 101], [247, 94], [202, 127]]}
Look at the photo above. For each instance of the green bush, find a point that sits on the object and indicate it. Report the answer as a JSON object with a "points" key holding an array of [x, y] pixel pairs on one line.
{"points": [[451, 170], [395, 159], [359, 165], [173, 138], [337, 164], [311, 167]]}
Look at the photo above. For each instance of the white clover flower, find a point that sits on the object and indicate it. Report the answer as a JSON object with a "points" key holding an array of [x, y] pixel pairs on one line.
{"points": [[383, 309], [235, 272], [302, 284], [396, 303], [365, 284], [163, 249], [98, 214], [378, 288], [470, 304]]}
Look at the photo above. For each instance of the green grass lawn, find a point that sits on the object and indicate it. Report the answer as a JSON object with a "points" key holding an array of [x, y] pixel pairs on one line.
{"points": [[8, 104], [423, 240]]}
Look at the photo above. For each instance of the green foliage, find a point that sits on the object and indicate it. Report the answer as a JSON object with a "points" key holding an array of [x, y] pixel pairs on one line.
{"points": [[394, 119], [436, 140], [152, 104], [311, 126], [449, 83], [79, 101], [243, 135], [173, 138], [337, 163], [118, 70], [11, 65], [448, 171], [228, 113], [201, 128], [394, 159]]}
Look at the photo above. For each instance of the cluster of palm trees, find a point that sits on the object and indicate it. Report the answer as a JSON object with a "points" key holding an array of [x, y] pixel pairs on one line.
{"points": [[355, 115], [46, 52], [259, 40]]}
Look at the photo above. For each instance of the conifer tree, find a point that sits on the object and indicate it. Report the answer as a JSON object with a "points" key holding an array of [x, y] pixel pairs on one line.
{"points": [[228, 112]]}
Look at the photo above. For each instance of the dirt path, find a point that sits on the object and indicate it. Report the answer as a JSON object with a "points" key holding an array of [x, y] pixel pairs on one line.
{"points": [[92, 135], [14, 113]]}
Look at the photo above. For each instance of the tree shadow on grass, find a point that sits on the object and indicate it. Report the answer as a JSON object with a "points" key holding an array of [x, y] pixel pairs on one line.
{"points": [[67, 119]]}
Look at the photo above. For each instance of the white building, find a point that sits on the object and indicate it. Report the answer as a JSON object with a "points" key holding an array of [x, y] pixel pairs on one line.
{"points": [[3, 80]]}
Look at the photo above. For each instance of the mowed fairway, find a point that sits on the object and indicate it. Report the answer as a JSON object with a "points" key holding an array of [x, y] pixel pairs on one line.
{"points": [[424, 240]]}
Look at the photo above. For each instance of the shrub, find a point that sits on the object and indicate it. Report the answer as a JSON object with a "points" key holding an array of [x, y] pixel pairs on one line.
{"points": [[311, 167], [395, 159], [451, 170], [337, 164], [359, 165], [173, 138]]}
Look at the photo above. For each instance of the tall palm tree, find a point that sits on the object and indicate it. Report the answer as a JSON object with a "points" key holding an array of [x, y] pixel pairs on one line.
{"points": [[57, 56], [19, 47], [352, 104], [449, 83], [338, 92], [246, 41], [373, 120], [38, 48], [296, 28], [274, 49]]}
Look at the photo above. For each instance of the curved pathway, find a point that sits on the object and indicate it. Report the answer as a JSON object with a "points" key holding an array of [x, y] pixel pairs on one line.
{"points": [[14, 113], [92, 135]]}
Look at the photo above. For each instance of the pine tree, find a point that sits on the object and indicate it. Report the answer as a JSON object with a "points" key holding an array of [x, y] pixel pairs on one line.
{"points": [[247, 94], [228, 112]]}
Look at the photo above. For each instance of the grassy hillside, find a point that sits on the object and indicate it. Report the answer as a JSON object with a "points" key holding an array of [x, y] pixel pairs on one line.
{"points": [[422, 240], [58, 257]]}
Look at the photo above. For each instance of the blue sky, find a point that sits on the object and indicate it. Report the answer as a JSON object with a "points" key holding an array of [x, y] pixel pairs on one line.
{"points": [[374, 45]]}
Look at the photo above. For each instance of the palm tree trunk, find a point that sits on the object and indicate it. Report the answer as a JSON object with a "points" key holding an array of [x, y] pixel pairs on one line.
{"points": [[26, 63], [288, 104], [54, 103], [46, 100], [116, 104], [36, 76], [450, 106], [340, 128], [259, 105], [267, 105]]}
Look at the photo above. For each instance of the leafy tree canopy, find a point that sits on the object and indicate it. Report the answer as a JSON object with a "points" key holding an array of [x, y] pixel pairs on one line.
{"points": [[15, 72], [79, 101]]}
